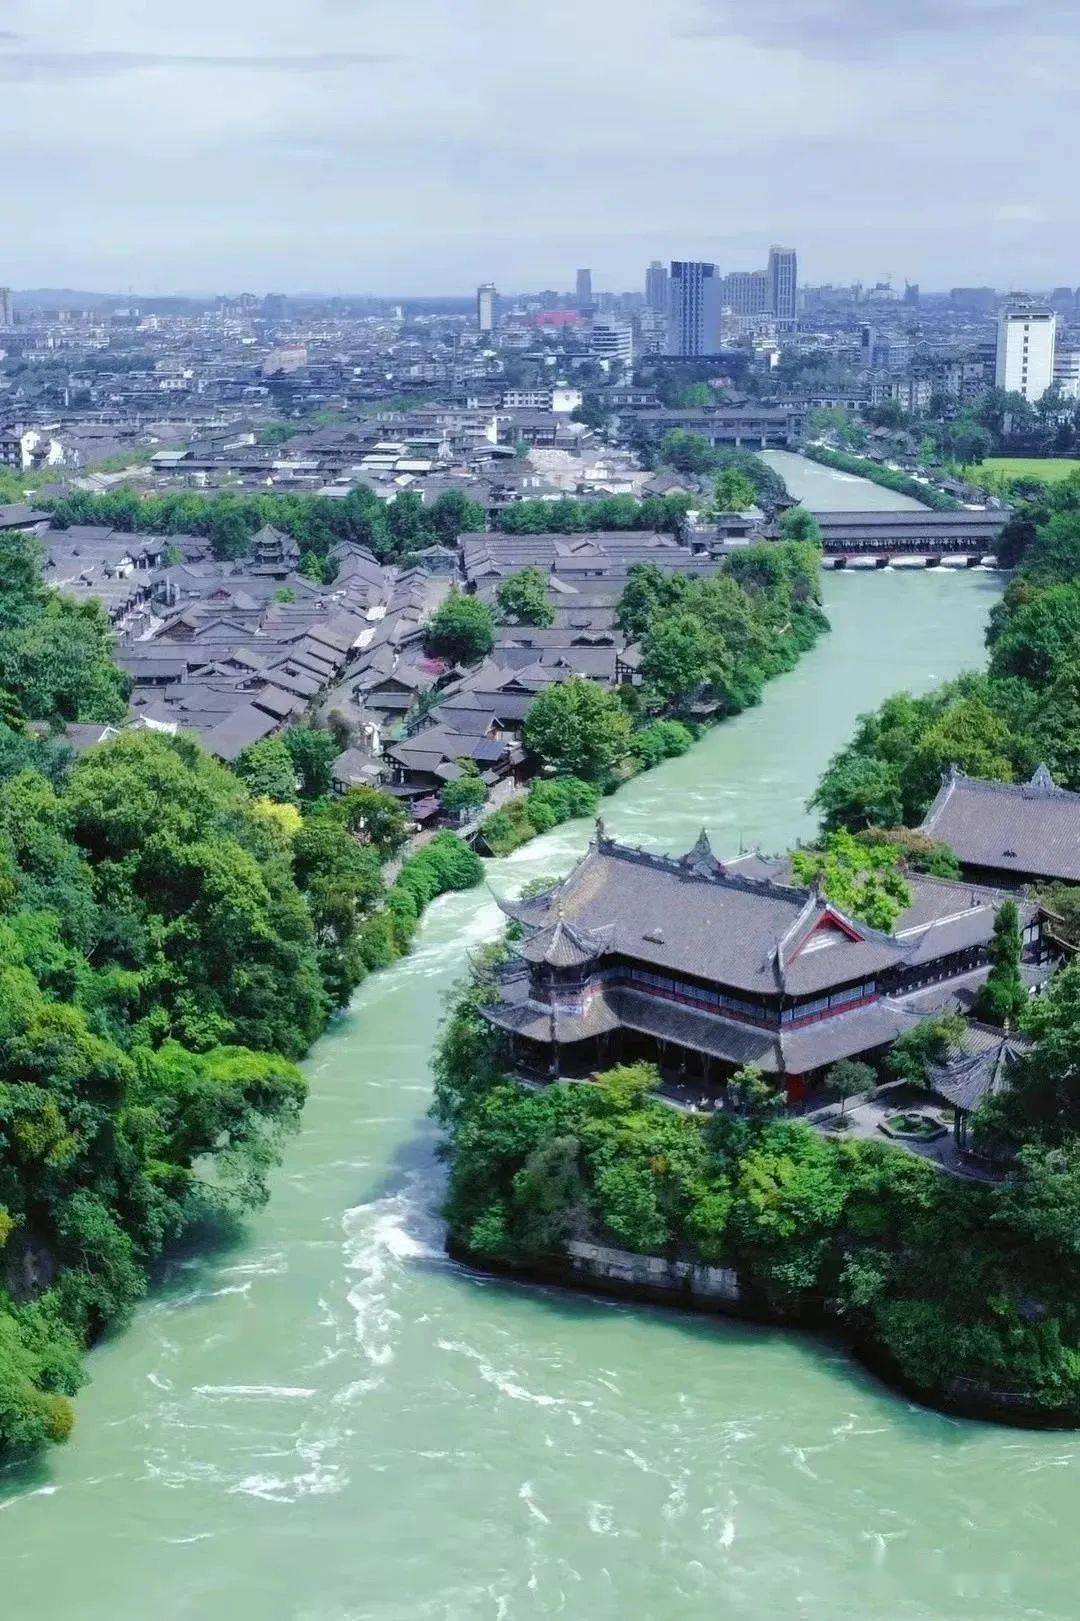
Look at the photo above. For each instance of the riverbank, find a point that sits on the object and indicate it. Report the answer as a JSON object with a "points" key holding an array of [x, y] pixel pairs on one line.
{"points": [[656, 1281], [748, 1210], [842, 461], [332, 1369]]}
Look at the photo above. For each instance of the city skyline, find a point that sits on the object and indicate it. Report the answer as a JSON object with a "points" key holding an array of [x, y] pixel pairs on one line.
{"points": [[381, 151]]}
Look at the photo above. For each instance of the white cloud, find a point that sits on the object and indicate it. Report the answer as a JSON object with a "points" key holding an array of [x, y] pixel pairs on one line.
{"points": [[423, 146], [1019, 214]]}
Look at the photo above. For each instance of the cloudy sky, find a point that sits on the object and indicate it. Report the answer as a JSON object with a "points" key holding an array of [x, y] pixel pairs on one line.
{"points": [[420, 146]]}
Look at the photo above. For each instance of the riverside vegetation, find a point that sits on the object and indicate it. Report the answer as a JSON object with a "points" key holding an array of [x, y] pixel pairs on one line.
{"points": [[707, 648], [842, 461], [393, 530], [173, 937], [176, 934], [942, 1280]]}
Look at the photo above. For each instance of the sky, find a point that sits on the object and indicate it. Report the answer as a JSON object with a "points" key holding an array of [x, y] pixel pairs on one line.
{"points": [[422, 146]]}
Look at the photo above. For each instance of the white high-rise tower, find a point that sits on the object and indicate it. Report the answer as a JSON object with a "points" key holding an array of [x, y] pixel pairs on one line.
{"points": [[1025, 348]]}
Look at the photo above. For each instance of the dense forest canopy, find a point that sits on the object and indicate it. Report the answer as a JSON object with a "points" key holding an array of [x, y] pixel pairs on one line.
{"points": [[173, 936]]}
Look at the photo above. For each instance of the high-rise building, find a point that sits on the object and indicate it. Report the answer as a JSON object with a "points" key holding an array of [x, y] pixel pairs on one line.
{"points": [[1067, 372], [7, 313], [583, 286], [746, 292], [656, 287], [884, 351], [694, 310], [650, 332], [783, 274], [485, 306], [1025, 348], [612, 339], [973, 300]]}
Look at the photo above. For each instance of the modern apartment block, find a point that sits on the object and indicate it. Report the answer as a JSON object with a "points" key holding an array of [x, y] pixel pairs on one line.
{"points": [[1067, 372], [746, 292], [485, 307], [783, 276], [656, 287], [612, 339], [1025, 348], [694, 310]]}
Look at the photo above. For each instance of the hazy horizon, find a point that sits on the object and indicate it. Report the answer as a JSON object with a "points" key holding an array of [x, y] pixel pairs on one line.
{"points": [[428, 149]]}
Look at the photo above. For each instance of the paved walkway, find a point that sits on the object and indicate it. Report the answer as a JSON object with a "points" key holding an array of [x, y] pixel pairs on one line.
{"points": [[866, 1118]]}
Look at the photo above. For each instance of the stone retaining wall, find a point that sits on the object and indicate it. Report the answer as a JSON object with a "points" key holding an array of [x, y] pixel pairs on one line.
{"points": [[606, 1265]]}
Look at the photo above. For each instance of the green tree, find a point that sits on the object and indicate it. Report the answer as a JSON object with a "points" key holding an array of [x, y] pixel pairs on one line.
{"points": [[312, 753], [375, 816], [1003, 999], [838, 424], [864, 880], [466, 793], [788, 1198], [462, 629], [648, 591], [578, 727], [799, 524], [523, 598], [733, 491], [57, 663], [268, 770], [454, 513], [686, 452], [592, 412], [1039, 639], [552, 800], [858, 791], [926, 1043], [848, 1078], [679, 657]]}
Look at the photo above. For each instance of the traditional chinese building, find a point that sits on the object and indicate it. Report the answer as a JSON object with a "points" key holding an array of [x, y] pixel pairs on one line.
{"points": [[1008, 833], [981, 1064], [707, 965]]}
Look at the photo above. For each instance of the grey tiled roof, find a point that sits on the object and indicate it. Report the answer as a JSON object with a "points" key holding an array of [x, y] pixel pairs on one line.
{"points": [[664, 914], [692, 915], [562, 945], [979, 1064], [1031, 827], [775, 1052]]}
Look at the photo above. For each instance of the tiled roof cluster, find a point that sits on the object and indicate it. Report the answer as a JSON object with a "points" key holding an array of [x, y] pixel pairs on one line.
{"points": [[758, 936], [1031, 829]]}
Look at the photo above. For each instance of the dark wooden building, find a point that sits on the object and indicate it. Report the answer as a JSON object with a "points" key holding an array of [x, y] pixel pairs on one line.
{"points": [[708, 967]]}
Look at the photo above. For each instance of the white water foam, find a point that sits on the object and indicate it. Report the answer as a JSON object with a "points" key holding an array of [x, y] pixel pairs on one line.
{"points": [[23, 1497], [381, 1239], [254, 1392], [525, 1492], [507, 1383]]}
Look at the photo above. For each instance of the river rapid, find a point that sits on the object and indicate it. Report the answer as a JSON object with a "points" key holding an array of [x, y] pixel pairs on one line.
{"points": [[330, 1421]]}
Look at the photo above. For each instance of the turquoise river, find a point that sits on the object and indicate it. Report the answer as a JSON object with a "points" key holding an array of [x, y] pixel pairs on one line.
{"points": [[329, 1421]]}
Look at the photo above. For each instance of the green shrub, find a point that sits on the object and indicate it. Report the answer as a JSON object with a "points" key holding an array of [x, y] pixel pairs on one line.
{"points": [[661, 740], [559, 799], [507, 828]]}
